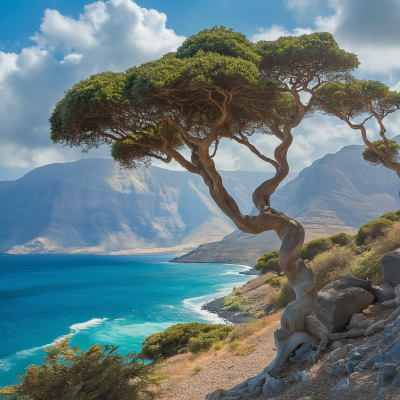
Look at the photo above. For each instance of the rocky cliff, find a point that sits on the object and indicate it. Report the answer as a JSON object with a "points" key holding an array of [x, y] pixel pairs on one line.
{"points": [[92, 206]]}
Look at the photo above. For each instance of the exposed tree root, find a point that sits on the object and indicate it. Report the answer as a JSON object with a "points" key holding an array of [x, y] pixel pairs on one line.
{"points": [[253, 386]]}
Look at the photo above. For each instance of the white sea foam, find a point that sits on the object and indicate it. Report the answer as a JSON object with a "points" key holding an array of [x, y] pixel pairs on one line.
{"points": [[88, 324], [8, 362]]}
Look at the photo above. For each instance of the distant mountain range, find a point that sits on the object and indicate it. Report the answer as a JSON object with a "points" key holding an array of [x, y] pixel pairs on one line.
{"points": [[337, 193], [92, 206]]}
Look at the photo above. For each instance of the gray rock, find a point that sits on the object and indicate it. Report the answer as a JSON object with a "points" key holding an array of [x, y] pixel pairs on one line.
{"points": [[396, 380], [301, 376], [353, 361], [272, 386], [382, 390], [380, 357], [358, 321], [336, 345], [394, 351], [339, 370], [374, 339], [389, 303], [390, 266], [383, 292], [301, 354], [387, 374], [337, 355], [346, 282], [343, 384], [290, 381], [349, 346], [389, 338], [336, 306]]}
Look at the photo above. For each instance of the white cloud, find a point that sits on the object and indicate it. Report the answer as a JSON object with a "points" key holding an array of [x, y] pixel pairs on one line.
{"points": [[276, 31], [107, 36]]}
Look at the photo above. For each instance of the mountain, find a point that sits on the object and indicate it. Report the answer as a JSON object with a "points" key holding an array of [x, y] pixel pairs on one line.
{"points": [[337, 193], [93, 206]]}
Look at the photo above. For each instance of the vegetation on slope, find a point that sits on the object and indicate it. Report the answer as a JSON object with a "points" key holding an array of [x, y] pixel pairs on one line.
{"points": [[341, 254], [99, 373]]}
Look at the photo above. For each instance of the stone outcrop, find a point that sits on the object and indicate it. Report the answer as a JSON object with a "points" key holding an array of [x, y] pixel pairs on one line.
{"points": [[339, 300], [390, 266]]}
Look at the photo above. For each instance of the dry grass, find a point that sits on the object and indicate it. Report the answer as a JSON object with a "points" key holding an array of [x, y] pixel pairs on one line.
{"points": [[246, 350], [332, 264], [182, 366], [244, 331]]}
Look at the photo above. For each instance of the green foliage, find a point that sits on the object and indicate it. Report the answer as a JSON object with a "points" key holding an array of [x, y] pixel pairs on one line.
{"points": [[282, 297], [371, 230], [373, 158], [313, 247], [197, 368], [99, 373], [342, 239], [310, 55], [175, 338], [219, 40], [235, 301], [275, 281], [236, 343], [392, 216], [269, 262]]}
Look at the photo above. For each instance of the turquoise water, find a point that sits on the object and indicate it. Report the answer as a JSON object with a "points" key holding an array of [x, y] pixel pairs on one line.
{"points": [[116, 300]]}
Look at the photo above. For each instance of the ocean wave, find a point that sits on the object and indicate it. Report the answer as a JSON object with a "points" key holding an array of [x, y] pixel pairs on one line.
{"points": [[8, 362]]}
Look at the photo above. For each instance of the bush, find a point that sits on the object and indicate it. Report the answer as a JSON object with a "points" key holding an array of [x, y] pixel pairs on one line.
{"points": [[275, 281], [371, 230], [175, 338], [342, 239], [332, 264], [236, 343], [282, 297], [197, 345], [217, 346], [99, 373], [313, 247], [235, 302], [197, 368], [269, 262], [392, 216], [368, 264]]}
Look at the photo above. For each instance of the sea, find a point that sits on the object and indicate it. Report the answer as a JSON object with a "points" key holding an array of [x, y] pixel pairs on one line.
{"points": [[117, 300]]}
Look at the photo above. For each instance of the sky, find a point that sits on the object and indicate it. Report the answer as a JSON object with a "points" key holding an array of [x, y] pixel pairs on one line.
{"points": [[48, 45]]}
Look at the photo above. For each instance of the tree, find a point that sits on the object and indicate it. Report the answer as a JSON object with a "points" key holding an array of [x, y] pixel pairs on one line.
{"points": [[359, 100], [218, 85]]}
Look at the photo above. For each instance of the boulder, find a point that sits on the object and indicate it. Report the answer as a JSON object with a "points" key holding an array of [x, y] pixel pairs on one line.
{"points": [[383, 292], [337, 355], [343, 384], [272, 386], [337, 304], [390, 266], [348, 281], [387, 374], [358, 321]]}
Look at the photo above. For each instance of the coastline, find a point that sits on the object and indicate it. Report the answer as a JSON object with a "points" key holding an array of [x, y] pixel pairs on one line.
{"points": [[231, 317]]}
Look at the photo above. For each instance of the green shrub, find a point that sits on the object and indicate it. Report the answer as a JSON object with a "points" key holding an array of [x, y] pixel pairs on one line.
{"points": [[374, 159], [371, 230], [197, 345], [332, 264], [217, 346], [275, 281], [197, 368], [235, 302], [99, 373], [236, 343], [392, 216], [282, 297], [313, 247], [342, 239], [175, 338], [269, 262]]}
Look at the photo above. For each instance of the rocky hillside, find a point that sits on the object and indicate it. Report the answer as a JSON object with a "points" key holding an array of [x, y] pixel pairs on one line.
{"points": [[92, 206], [337, 193]]}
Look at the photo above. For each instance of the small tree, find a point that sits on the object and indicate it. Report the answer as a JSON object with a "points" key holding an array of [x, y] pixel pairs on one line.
{"points": [[217, 86], [356, 102], [99, 373], [269, 262]]}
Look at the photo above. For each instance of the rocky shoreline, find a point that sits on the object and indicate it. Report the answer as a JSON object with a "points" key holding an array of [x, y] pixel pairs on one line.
{"points": [[231, 317]]}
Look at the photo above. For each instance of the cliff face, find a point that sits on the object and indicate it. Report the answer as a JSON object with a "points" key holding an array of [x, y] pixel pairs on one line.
{"points": [[337, 193], [92, 206]]}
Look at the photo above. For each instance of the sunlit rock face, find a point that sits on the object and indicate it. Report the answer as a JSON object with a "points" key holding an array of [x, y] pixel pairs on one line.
{"points": [[338, 193], [92, 206]]}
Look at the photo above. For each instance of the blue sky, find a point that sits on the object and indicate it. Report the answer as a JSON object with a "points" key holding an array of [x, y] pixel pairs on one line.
{"points": [[48, 45]]}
